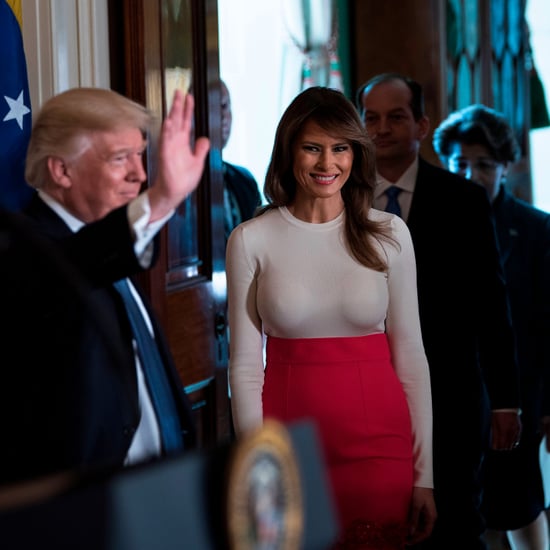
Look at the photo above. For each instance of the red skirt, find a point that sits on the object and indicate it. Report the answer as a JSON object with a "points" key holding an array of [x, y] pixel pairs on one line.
{"points": [[349, 389]]}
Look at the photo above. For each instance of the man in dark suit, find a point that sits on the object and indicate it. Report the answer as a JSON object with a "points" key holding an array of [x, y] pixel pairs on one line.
{"points": [[463, 305], [241, 194], [74, 388]]}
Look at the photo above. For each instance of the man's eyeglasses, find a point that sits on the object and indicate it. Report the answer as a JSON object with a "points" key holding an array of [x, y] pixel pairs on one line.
{"points": [[460, 165]]}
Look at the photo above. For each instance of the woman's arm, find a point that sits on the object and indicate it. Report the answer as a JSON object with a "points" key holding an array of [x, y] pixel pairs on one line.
{"points": [[407, 349], [246, 368]]}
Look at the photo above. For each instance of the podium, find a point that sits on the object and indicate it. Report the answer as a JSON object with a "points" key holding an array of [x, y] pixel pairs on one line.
{"points": [[173, 504]]}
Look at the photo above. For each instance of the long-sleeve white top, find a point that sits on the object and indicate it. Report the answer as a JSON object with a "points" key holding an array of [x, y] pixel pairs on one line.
{"points": [[291, 279]]}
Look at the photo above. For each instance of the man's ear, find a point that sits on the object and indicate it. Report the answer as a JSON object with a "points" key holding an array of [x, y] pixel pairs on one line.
{"points": [[423, 127], [58, 172]]}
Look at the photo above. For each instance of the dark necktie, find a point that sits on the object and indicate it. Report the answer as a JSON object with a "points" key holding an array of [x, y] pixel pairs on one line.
{"points": [[393, 204], [155, 375]]}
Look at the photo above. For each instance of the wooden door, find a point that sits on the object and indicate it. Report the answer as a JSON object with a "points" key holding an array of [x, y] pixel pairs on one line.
{"points": [[155, 44], [409, 40]]}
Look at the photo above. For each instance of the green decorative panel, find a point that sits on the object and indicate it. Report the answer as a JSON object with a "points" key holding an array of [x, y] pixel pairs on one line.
{"points": [[516, 27], [463, 53], [471, 30], [498, 27], [464, 84], [503, 86], [508, 75]]}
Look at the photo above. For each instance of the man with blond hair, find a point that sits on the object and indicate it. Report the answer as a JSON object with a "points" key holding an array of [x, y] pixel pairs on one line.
{"points": [[77, 389]]}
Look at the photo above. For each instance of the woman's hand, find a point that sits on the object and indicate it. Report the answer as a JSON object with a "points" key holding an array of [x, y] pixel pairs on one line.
{"points": [[422, 515]]}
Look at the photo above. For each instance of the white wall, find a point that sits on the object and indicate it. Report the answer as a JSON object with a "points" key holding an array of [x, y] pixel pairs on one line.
{"points": [[538, 17], [250, 36]]}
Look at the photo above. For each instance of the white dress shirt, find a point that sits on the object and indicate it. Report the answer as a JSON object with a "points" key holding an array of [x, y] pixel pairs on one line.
{"points": [[406, 183]]}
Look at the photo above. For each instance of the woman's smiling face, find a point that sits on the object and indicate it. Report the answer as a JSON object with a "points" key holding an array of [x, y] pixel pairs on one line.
{"points": [[322, 163]]}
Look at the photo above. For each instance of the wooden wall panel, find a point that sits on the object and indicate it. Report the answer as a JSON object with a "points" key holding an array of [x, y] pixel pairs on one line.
{"points": [[406, 37]]}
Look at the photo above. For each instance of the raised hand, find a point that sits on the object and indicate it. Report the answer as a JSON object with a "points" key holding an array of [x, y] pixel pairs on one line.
{"points": [[180, 165]]}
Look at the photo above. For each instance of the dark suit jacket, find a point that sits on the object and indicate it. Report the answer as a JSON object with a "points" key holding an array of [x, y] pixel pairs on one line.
{"points": [[524, 238], [464, 314], [68, 387]]}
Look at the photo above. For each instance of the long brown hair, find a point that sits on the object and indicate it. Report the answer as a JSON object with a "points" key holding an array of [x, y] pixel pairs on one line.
{"points": [[335, 114]]}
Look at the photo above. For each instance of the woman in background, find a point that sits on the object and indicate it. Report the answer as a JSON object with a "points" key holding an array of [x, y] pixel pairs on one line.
{"points": [[478, 143], [331, 283]]}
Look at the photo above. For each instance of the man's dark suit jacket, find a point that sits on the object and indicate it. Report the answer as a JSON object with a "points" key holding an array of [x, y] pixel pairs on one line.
{"points": [[68, 386], [524, 238], [467, 336]]}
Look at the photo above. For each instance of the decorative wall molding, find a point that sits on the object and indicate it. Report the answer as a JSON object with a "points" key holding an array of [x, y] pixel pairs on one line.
{"points": [[66, 45]]}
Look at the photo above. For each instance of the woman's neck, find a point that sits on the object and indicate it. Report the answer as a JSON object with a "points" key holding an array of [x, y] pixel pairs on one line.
{"points": [[317, 210]]}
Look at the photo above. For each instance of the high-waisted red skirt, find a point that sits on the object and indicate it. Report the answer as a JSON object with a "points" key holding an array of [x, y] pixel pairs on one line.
{"points": [[349, 388]]}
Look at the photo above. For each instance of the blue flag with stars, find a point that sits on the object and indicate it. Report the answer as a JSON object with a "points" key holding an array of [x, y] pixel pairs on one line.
{"points": [[15, 112]]}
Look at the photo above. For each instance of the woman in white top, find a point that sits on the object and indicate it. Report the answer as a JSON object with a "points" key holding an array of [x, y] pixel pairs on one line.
{"points": [[331, 283]]}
